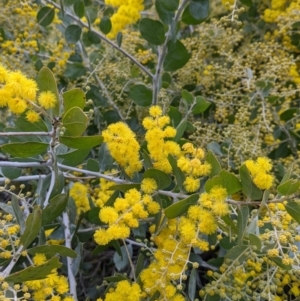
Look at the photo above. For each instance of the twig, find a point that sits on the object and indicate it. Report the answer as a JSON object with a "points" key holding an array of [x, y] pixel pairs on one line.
{"points": [[162, 52], [26, 134], [25, 178], [102, 37], [99, 82], [130, 261], [68, 239], [12, 263], [92, 173], [25, 164], [54, 169]]}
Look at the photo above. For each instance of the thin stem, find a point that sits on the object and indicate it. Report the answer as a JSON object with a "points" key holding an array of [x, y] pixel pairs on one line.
{"points": [[25, 178], [99, 82], [25, 164], [68, 240], [162, 52], [12, 263], [102, 37], [26, 134], [54, 168], [130, 261], [92, 173]]}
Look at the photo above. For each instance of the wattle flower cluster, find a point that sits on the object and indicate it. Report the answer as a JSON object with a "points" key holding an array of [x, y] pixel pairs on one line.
{"points": [[103, 192], [9, 236], [259, 172], [190, 163], [170, 262], [123, 147], [157, 134], [54, 286], [124, 215], [17, 92], [128, 13], [79, 194], [124, 291], [214, 201]]}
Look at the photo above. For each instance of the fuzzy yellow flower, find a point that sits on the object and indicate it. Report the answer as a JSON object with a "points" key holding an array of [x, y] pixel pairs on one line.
{"points": [[108, 215], [47, 100], [17, 105], [149, 185], [123, 147], [79, 194], [191, 184], [39, 259], [32, 116]]}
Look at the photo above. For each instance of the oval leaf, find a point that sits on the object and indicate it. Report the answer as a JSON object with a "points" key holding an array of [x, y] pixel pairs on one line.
{"points": [[152, 31], [162, 179], [11, 172], [55, 208], [163, 10], [32, 226], [53, 250], [201, 105], [79, 8], [237, 253], [105, 25], [176, 57], [226, 180], [181, 207], [141, 95], [188, 96], [35, 273], [73, 33], [214, 162], [124, 187], [242, 220], [293, 209], [45, 16], [289, 187], [74, 98], [75, 121], [25, 149], [81, 142], [199, 9], [250, 190]]}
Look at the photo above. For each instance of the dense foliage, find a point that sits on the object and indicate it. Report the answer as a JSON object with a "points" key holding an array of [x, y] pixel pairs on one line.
{"points": [[149, 150]]}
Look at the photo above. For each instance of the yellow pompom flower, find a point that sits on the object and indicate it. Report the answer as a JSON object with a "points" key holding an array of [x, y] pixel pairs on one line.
{"points": [[5, 96], [47, 100], [108, 215], [79, 194], [218, 193], [125, 291], [32, 116], [208, 223], [263, 180], [258, 171], [149, 185], [191, 184], [17, 105], [39, 259], [153, 207], [155, 111], [220, 208], [101, 237], [29, 89], [264, 164], [3, 74]]}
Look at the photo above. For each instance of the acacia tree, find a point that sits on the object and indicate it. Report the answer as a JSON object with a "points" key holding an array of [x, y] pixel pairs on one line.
{"points": [[149, 150]]}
